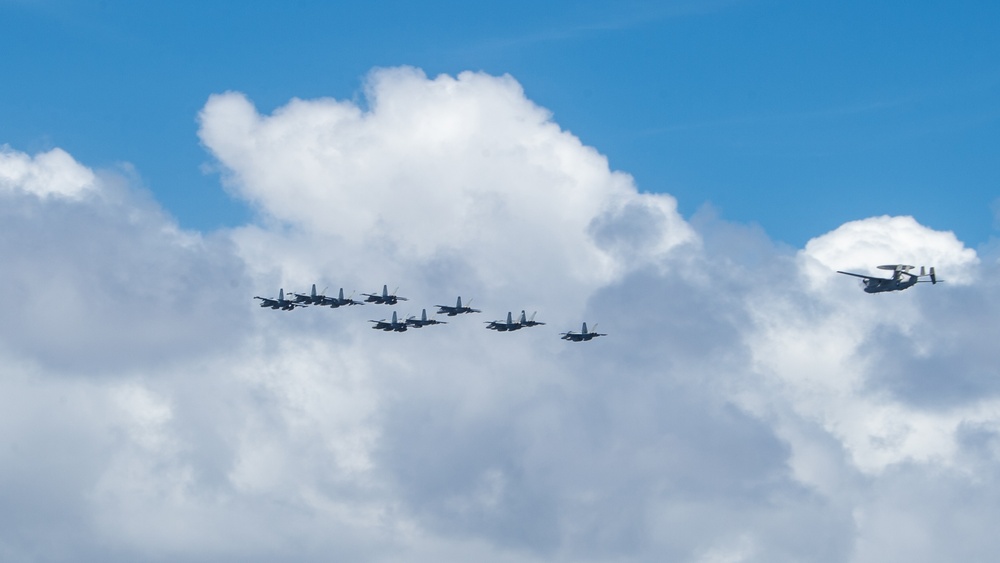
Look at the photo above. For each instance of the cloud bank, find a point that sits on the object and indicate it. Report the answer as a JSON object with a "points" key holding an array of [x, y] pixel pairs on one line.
{"points": [[749, 404]]}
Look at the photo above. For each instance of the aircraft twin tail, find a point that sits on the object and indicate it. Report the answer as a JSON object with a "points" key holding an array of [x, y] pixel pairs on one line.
{"points": [[279, 303], [583, 336]]}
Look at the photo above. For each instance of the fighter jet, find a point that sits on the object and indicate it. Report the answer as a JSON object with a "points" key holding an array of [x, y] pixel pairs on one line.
{"points": [[422, 321], [581, 336], [457, 309], [311, 299], [531, 321], [279, 303], [509, 324], [504, 326], [339, 301], [392, 326], [384, 299], [897, 282]]}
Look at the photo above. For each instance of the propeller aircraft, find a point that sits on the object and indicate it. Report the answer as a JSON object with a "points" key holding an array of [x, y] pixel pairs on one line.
{"points": [[901, 278]]}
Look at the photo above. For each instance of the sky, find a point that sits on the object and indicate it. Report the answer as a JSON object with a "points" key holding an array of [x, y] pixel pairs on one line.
{"points": [[794, 116], [686, 176]]}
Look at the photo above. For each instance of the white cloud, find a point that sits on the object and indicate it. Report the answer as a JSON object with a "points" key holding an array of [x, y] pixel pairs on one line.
{"points": [[456, 172], [748, 404], [49, 174], [891, 240]]}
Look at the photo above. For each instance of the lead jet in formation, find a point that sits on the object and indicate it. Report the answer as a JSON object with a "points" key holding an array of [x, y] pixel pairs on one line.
{"points": [[422, 321], [385, 299], [458, 309], [901, 278], [392, 326], [279, 303], [582, 336], [510, 325]]}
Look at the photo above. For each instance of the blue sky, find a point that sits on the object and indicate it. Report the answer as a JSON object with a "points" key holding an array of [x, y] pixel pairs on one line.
{"points": [[795, 116]]}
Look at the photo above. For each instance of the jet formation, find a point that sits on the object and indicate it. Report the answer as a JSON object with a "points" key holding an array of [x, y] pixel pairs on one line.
{"points": [[902, 278], [394, 324]]}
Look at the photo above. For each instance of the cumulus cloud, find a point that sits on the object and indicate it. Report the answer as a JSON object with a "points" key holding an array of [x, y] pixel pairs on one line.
{"points": [[749, 404], [52, 173], [462, 172], [102, 277], [890, 240]]}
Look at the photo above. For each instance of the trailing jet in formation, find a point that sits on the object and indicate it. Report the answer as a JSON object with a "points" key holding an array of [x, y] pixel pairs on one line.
{"points": [[509, 324], [392, 326], [279, 303], [457, 309], [422, 321], [384, 299], [897, 282], [582, 336]]}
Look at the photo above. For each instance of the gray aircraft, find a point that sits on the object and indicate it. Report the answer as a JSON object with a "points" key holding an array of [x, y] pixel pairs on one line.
{"points": [[529, 322], [314, 298], [422, 321], [311, 298], [900, 280], [458, 309], [340, 300], [391, 326], [582, 336], [279, 303], [510, 325], [385, 299]]}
